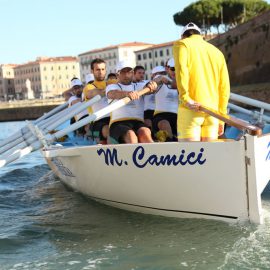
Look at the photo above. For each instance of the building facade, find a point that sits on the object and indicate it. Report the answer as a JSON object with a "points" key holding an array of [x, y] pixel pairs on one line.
{"points": [[111, 55], [156, 55], [46, 77], [7, 88]]}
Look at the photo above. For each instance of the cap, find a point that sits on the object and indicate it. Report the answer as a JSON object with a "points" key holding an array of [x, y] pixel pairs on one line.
{"points": [[123, 64], [190, 26], [158, 69], [170, 62], [76, 82], [89, 77]]}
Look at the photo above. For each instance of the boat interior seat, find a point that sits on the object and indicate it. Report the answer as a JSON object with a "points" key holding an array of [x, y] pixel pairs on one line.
{"points": [[232, 132], [266, 129]]}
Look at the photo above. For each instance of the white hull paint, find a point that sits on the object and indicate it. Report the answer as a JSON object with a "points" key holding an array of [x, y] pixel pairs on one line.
{"points": [[219, 180]]}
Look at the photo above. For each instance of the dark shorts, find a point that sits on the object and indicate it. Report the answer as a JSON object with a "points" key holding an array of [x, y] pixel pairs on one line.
{"points": [[170, 117], [119, 129], [149, 114], [96, 128], [81, 130]]}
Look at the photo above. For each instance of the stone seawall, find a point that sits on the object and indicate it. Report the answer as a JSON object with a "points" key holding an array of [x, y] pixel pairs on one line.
{"points": [[23, 113]]}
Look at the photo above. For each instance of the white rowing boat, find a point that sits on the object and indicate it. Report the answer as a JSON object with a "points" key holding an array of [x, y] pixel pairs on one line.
{"points": [[218, 180]]}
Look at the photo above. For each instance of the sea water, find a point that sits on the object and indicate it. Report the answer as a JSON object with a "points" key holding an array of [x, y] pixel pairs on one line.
{"points": [[43, 225]]}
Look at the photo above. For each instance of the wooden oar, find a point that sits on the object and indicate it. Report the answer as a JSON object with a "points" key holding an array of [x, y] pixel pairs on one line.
{"points": [[50, 124], [233, 121], [49, 138], [39, 120]]}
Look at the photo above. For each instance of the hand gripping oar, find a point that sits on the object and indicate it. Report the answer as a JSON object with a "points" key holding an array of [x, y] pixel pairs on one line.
{"points": [[49, 138], [233, 121], [29, 137]]}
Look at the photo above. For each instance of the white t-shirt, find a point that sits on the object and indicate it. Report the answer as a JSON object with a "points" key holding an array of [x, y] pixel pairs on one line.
{"points": [[102, 103], [82, 113], [134, 110], [166, 100]]}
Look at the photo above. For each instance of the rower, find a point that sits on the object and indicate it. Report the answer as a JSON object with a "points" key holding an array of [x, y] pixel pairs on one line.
{"points": [[99, 129], [127, 123], [165, 115], [76, 88]]}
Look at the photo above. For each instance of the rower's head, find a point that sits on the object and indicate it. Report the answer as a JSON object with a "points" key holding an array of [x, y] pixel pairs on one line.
{"points": [[171, 68], [98, 68], [190, 29], [139, 73], [76, 86], [124, 72], [158, 70]]}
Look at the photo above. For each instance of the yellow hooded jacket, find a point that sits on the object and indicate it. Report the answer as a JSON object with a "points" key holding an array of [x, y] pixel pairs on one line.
{"points": [[201, 73]]}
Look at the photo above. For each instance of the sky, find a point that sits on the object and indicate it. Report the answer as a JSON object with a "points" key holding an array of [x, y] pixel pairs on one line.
{"points": [[32, 28]]}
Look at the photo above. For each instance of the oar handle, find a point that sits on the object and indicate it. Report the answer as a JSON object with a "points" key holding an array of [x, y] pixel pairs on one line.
{"points": [[232, 121], [141, 92]]}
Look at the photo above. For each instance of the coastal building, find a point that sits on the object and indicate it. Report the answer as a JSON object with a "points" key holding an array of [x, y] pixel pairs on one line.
{"points": [[156, 55], [7, 89], [112, 55], [45, 77]]}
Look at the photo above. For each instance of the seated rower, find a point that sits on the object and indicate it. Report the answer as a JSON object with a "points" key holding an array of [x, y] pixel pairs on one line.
{"points": [[149, 100], [99, 129], [77, 87], [165, 115], [127, 123]]}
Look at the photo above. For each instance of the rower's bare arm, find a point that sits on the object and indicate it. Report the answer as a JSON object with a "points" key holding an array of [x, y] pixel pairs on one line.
{"points": [[117, 94], [75, 101], [94, 92]]}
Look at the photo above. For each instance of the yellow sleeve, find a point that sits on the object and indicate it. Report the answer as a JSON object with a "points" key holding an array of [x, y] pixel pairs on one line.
{"points": [[224, 88], [180, 53], [86, 89]]}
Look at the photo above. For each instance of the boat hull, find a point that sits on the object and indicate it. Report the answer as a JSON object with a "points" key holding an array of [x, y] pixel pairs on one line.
{"points": [[202, 180]]}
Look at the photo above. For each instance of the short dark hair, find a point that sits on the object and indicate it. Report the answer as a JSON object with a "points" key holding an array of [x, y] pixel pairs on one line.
{"points": [[190, 32], [111, 74], [96, 61], [137, 68]]}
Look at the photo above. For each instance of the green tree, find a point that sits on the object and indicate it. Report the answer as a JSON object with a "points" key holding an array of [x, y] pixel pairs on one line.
{"points": [[213, 13]]}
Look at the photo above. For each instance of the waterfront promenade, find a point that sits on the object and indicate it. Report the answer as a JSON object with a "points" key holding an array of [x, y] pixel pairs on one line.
{"points": [[27, 109]]}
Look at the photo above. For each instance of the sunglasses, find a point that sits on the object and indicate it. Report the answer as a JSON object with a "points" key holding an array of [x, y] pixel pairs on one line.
{"points": [[172, 69]]}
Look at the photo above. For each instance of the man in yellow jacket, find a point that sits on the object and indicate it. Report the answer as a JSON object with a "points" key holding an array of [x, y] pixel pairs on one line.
{"points": [[202, 79]]}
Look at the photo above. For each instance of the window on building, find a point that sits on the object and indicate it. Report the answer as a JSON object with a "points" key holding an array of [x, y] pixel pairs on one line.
{"points": [[60, 77], [162, 63], [146, 76], [155, 53], [150, 55], [139, 57], [160, 53], [73, 68], [51, 68], [145, 66], [156, 63], [144, 56], [168, 52], [66, 67], [44, 68], [151, 65], [59, 68]]}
